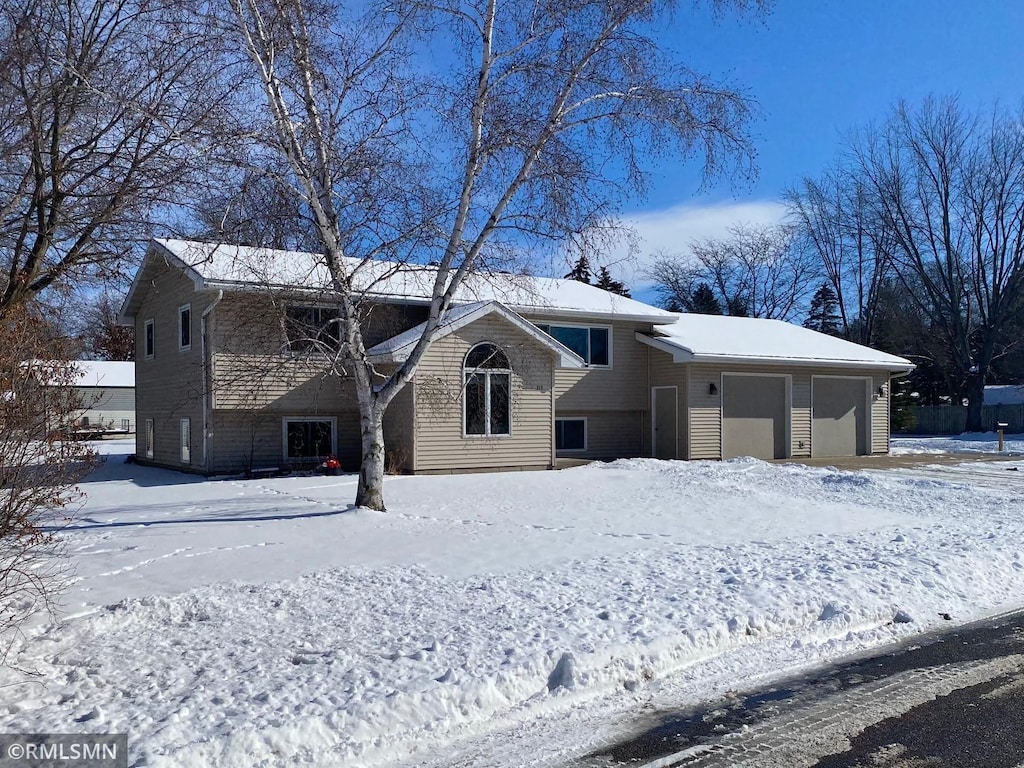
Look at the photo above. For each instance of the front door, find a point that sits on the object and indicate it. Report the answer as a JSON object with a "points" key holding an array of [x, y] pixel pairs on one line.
{"points": [[666, 432]]}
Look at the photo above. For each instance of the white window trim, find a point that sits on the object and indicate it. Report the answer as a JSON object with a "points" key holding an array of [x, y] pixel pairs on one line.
{"points": [[586, 434], [487, 435], [146, 351], [588, 326], [185, 447], [286, 420], [150, 439], [186, 347]]}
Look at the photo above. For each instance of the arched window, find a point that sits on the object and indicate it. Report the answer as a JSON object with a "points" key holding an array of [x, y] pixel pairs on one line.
{"points": [[488, 389]]}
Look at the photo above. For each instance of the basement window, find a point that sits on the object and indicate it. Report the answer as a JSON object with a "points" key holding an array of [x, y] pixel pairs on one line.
{"points": [[570, 434], [308, 437]]}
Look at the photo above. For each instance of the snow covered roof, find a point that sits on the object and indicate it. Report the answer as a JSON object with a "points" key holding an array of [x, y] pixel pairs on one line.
{"points": [[231, 267], [1004, 394], [717, 338], [87, 373], [104, 373], [397, 348]]}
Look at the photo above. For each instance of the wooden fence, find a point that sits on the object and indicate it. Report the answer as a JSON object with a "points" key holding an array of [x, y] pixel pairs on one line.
{"points": [[952, 419]]}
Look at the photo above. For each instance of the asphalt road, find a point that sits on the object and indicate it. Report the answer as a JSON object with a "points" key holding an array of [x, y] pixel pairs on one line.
{"points": [[953, 700]]}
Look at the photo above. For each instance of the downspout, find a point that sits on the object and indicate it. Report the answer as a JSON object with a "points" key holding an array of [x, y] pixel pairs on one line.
{"points": [[207, 380]]}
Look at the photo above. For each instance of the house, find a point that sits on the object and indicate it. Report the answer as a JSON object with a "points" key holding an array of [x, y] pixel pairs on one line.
{"points": [[524, 371], [107, 394], [101, 395]]}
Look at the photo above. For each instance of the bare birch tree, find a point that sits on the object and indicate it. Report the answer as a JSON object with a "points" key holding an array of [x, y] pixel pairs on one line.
{"points": [[452, 132], [949, 187]]}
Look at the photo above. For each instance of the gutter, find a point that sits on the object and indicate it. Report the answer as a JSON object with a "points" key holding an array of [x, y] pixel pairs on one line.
{"points": [[207, 379]]}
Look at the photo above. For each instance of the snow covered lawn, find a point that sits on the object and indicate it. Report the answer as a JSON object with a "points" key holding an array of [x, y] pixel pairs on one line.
{"points": [[969, 442], [265, 623]]}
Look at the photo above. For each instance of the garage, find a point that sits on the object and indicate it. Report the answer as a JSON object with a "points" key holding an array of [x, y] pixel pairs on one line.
{"points": [[839, 416], [755, 416]]}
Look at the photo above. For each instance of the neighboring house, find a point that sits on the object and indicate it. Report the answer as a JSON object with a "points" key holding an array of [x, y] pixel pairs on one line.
{"points": [[1004, 394], [103, 392], [523, 371], [107, 392]]}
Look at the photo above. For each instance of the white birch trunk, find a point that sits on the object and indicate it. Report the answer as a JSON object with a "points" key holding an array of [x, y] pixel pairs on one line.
{"points": [[370, 491]]}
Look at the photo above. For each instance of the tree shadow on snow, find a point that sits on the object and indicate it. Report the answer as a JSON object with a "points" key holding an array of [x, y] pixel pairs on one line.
{"points": [[89, 524]]}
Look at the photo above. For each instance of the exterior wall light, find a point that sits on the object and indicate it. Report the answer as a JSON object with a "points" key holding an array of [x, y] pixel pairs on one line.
{"points": [[712, 388]]}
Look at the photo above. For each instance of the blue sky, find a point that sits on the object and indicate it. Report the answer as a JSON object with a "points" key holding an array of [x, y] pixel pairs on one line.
{"points": [[817, 70]]}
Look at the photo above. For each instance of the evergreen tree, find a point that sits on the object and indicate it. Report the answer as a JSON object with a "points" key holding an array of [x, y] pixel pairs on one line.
{"points": [[703, 301], [737, 306], [580, 270], [606, 283], [823, 315]]}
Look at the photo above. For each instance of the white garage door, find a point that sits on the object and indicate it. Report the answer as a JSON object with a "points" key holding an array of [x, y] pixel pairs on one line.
{"points": [[754, 417], [839, 421]]}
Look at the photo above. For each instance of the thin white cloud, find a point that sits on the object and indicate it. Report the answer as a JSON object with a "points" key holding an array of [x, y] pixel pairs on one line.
{"points": [[671, 230]]}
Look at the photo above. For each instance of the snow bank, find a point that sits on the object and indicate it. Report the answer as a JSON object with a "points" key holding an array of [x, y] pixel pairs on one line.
{"points": [[481, 600], [969, 442]]}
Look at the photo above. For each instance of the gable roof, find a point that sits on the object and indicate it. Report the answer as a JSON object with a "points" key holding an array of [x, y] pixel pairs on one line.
{"points": [[723, 339], [397, 348], [231, 267]]}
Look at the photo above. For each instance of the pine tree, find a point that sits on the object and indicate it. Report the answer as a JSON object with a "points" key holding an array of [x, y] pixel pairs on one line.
{"points": [[606, 283], [823, 315], [703, 301], [737, 306], [580, 270]]}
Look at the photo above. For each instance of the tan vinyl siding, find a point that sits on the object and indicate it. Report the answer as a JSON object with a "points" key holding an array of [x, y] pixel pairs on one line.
{"points": [[281, 385], [245, 440], [168, 387], [400, 431], [610, 434], [800, 415], [705, 414], [666, 373], [623, 387], [703, 409], [439, 441], [880, 413]]}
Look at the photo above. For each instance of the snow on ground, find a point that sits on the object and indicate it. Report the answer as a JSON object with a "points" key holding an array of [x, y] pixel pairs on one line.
{"points": [[266, 623], [969, 442]]}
